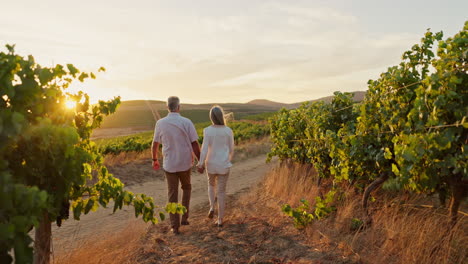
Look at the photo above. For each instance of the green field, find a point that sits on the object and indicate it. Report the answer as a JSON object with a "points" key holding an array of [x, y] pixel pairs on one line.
{"points": [[243, 131], [138, 113], [249, 121]]}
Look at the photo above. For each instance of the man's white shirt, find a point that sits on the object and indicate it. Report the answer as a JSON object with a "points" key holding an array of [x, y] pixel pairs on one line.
{"points": [[176, 134]]}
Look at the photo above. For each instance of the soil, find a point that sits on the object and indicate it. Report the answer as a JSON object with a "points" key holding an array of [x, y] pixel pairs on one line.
{"points": [[254, 231]]}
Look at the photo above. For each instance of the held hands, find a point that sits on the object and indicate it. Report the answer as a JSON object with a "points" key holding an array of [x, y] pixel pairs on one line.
{"points": [[156, 165], [200, 169]]}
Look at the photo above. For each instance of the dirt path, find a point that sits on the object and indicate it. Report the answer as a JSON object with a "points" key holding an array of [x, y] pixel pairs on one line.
{"points": [[103, 222], [254, 231]]}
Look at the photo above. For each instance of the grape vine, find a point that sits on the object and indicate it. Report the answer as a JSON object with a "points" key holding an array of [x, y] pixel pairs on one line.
{"points": [[47, 159], [411, 127]]}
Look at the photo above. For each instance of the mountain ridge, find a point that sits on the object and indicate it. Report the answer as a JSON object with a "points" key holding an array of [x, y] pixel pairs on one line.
{"points": [[358, 96], [144, 113]]}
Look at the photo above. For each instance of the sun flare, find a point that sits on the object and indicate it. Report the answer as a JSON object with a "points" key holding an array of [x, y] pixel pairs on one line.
{"points": [[70, 104]]}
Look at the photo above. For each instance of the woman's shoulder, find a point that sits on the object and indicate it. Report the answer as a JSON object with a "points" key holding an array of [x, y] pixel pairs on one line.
{"points": [[228, 129], [210, 129], [217, 128]]}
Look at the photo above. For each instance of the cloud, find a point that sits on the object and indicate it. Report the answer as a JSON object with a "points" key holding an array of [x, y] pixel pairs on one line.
{"points": [[313, 13], [211, 52], [248, 78]]}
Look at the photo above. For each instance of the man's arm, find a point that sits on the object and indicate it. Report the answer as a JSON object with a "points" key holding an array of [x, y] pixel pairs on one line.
{"points": [[155, 146], [154, 154], [193, 137], [196, 149]]}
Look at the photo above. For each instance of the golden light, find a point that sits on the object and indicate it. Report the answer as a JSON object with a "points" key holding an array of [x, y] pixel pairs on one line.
{"points": [[70, 104]]}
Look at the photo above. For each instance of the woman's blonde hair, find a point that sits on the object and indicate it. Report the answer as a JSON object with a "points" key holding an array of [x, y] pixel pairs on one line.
{"points": [[217, 115]]}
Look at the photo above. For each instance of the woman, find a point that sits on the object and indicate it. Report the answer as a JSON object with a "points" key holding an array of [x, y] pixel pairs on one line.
{"points": [[216, 155]]}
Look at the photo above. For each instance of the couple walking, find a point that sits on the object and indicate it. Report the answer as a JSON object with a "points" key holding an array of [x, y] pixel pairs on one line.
{"points": [[179, 141]]}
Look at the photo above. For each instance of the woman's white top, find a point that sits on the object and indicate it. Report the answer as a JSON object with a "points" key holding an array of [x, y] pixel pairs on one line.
{"points": [[217, 149]]}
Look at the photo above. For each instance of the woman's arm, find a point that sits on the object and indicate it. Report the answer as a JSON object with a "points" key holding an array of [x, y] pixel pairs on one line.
{"points": [[204, 150], [231, 145]]}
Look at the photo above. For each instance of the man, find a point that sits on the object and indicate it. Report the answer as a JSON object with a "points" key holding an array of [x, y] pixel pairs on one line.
{"points": [[179, 139]]}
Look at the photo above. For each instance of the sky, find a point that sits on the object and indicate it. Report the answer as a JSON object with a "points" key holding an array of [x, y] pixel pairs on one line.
{"points": [[217, 51]]}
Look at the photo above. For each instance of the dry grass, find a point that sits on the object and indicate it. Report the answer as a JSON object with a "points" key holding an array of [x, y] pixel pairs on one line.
{"points": [[251, 148], [290, 183], [119, 247], [401, 231], [248, 149], [402, 234], [125, 158]]}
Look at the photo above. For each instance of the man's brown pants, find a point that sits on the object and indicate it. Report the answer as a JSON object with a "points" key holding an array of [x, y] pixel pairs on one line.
{"points": [[173, 179]]}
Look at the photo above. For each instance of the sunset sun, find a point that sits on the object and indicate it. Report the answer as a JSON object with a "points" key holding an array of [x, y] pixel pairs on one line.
{"points": [[70, 104]]}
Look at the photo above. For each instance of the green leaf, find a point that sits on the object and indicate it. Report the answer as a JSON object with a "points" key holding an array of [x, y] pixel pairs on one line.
{"points": [[395, 169], [89, 205], [83, 76], [77, 210], [388, 154], [45, 76], [128, 197], [162, 216], [72, 69]]}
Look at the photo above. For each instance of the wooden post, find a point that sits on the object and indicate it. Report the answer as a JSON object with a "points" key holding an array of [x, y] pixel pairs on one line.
{"points": [[42, 240]]}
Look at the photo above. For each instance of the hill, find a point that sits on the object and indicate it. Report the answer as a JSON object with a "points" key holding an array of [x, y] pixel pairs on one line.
{"points": [[358, 96], [268, 103], [140, 115]]}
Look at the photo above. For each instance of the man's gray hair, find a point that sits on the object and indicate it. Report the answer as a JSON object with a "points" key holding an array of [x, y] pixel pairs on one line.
{"points": [[173, 103]]}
